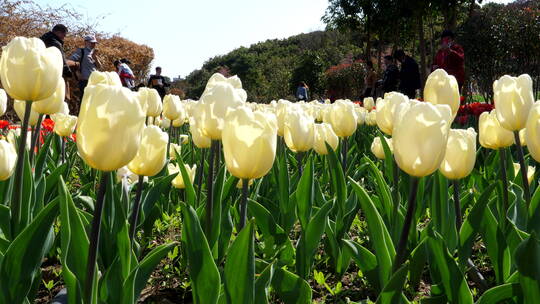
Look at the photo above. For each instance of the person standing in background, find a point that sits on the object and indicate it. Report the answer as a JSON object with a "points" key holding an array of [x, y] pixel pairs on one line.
{"points": [[302, 92], [126, 74], [158, 82], [55, 38], [370, 80], [409, 74], [390, 79], [86, 61], [450, 58]]}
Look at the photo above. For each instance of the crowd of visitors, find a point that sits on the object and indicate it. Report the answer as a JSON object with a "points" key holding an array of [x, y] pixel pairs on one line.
{"points": [[84, 60]]}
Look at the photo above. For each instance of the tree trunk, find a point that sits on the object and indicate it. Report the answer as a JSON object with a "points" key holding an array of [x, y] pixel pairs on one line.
{"points": [[367, 51], [422, 46]]}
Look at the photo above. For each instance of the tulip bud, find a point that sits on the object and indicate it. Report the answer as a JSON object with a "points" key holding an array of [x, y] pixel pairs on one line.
{"points": [[178, 181], [3, 102], [361, 114], [178, 122], [199, 140], [216, 103], [491, 134], [54, 103], [152, 154], [371, 118], [171, 107], [151, 100], [442, 88], [249, 143], [460, 154], [105, 78], [513, 97], [64, 125], [63, 110], [386, 110], [184, 139], [110, 126], [175, 149], [29, 70], [343, 118], [281, 112], [165, 123], [324, 134], [368, 103], [532, 131], [419, 137], [377, 148], [20, 109], [130, 177], [299, 130], [8, 159], [530, 172]]}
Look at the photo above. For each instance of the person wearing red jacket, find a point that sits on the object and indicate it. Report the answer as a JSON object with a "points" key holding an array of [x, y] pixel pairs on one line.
{"points": [[450, 58]]}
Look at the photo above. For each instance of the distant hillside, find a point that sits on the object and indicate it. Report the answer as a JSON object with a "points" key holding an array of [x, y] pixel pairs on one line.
{"points": [[271, 69]]}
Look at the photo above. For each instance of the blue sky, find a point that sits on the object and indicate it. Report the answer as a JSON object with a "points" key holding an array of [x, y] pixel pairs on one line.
{"points": [[185, 33]]}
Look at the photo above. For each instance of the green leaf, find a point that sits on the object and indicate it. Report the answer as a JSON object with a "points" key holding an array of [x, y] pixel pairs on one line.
{"points": [[239, 275], [267, 224], [453, 280], [5, 219], [443, 215], [365, 260], [382, 242], [138, 277], [382, 189], [285, 207], [191, 197], [499, 294], [74, 244], [290, 288], [392, 292], [42, 156], [473, 223], [496, 246], [527, 259], [305, 194], [418, 260], [262, 283], [338, 179], [309, 241], [204, 274], [22, 259]]}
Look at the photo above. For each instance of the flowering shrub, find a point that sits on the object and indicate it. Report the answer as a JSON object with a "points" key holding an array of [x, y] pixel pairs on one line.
{"points": [[345, 80]]}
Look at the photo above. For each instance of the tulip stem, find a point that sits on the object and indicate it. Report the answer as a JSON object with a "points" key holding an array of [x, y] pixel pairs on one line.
{"points": [[402, 245], [523, 170], [243, 203], [504, 179], [136, 208], [299, 159], [344, 150], [94, 237], [210, 188], [457, 205], [200, 175], [395, 177], [63, 149], [35, 136], [169, 142], [17, 194]]}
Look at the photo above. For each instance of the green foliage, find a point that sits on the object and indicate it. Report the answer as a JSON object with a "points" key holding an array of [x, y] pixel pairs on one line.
{"points": [[272, 69]]}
